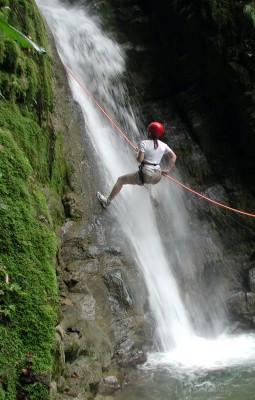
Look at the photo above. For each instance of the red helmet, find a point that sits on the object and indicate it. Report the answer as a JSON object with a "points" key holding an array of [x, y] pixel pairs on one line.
{"points": [[156, 129]]}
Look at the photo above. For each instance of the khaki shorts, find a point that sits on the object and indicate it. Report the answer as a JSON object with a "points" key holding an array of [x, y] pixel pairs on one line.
{"points": [[150, 175]]}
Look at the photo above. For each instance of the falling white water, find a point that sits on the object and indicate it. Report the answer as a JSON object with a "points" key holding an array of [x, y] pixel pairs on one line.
{"points": [[98, 62]]}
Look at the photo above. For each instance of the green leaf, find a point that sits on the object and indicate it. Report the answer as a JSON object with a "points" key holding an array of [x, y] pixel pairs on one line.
{"points": [[3, 206], [249, 10], [14, 34]]}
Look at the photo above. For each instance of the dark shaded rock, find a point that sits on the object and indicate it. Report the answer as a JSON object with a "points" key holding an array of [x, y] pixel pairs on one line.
{"points": [[117, 286], [252, 280], [131, 353], [243, 307], [80, 267]]}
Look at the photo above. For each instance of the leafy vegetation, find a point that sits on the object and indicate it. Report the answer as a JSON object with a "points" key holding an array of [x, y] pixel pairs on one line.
{"points": [[30, 158], [13, 33], [249, 10], [24, 73]]}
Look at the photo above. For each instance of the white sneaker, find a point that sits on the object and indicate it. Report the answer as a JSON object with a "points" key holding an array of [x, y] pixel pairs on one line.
{"points": [[103, 200]]}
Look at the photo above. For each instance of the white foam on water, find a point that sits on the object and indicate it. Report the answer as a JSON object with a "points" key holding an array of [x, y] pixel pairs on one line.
{"points": [[206, 354]]}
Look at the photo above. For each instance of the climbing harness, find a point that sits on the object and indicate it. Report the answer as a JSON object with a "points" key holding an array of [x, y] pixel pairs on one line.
{"points": [[140, 169], [140, 173]]}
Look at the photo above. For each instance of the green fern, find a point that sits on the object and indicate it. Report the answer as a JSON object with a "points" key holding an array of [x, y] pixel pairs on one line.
{"points": [[249, 11]]}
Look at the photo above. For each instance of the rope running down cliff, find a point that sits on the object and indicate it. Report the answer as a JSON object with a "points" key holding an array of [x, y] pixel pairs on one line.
{"points": [[134, 147]]}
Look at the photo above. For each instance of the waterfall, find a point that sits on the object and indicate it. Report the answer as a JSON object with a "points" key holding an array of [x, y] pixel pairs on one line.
{"points": [[98, 62], [149, 217]]}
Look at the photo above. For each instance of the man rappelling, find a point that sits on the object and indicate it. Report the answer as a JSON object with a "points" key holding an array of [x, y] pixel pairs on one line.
{"points": [[149, 155]]}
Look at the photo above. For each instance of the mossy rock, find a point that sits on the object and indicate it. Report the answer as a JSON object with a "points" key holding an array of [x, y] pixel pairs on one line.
{"points": [[12, 55], [30, 158]]}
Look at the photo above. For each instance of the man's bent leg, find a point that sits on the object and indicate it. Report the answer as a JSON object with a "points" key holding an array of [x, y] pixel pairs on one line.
{"points": [[129, 179]]}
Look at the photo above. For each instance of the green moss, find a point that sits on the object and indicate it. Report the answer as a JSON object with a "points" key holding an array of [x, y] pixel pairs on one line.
{"points": [[26, 249], [4, 3], [2, 47], [59, 169], [43, 147], [31, 84], [221, 12], [31, 158], [249, 10], [30, 137], [33, 74], [12, 55]]}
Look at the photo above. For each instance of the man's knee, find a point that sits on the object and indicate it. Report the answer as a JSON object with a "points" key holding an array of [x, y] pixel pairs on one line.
{"points": [[121, 180], [125, 180]]}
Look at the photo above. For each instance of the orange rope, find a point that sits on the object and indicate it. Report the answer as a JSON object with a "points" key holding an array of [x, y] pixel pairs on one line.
{"points": [[208, 198], [101, 108], [134, 147]]}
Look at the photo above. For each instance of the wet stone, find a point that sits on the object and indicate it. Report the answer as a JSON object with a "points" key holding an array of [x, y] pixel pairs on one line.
{"points": [[80, 267], [252, 279], [115, 283]]}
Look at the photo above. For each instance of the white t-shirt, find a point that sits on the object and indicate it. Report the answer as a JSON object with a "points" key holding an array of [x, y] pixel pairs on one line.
{"points": [[153, 156]]}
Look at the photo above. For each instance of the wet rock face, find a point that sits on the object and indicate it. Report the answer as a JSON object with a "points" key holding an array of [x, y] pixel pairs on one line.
{"points": [[103, 323], [102, 320], [116, 285], [243, 305], [101, 317], [242, 302], [252, 280]]}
